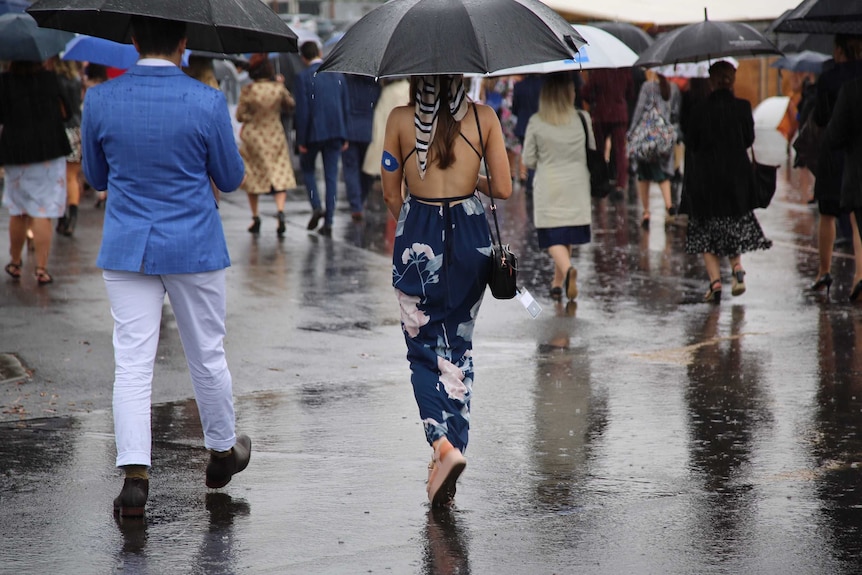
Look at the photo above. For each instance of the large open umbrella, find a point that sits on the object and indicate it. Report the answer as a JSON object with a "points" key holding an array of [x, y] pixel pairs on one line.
{"points": [[227, 26], [7, 6], [412, 37], [823, 17], [706, 40], [105, 52], [805, 61], [632, 36], [22, 39], [602, 50]]}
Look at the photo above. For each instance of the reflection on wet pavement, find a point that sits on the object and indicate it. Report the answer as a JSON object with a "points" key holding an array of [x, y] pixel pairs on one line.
{"points": [[635, 431]]}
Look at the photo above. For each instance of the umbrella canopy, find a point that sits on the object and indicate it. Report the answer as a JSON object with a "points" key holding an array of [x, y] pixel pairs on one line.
{"points": [[13, 6], [416, 37], [806, 61], [227, 26], [632, 36], [22, 39], [105, 52], [602, 50], [823, 17], [707, 40]]}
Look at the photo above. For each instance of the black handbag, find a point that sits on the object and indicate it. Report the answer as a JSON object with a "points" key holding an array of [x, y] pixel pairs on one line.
{"points": [[764, 182], [503, 277], [600, 178]]}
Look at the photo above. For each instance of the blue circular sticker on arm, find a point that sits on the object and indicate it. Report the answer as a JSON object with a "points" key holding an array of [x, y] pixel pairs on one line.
{"points": [[390, 164]]}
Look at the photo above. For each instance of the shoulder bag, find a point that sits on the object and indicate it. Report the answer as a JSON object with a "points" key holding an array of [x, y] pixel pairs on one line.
{"points": [[600, 180], [503, 277], [764, 182]]}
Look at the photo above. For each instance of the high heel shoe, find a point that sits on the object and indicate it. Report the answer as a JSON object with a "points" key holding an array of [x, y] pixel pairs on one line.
{"points": [[737, 282], [824, 281], [254, 228], [714, 293], [281, 227], [857, 291]]}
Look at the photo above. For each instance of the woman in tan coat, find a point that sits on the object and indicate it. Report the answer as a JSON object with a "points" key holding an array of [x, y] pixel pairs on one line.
{"points": [[263, 144], [555, 146]]}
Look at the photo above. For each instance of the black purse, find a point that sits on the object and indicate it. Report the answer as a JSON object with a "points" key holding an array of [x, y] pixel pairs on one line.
{"points": [[600, 178], [764, 178], [503, 277]]}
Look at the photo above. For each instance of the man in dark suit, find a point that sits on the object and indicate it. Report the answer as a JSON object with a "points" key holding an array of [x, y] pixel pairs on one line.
{"points": [[156, 137], [362, 94], [525, 103], [321, 128]]}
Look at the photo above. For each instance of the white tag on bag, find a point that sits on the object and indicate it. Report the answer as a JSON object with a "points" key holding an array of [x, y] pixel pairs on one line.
{"points": [[532, 306]]}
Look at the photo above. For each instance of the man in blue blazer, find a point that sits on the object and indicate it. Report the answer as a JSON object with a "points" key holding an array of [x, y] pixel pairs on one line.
{"points": [[154, 138], [363, 93], [321, 128]]}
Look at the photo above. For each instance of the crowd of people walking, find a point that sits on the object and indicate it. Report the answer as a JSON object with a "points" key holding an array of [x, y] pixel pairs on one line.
{"points": [[430, 146]]}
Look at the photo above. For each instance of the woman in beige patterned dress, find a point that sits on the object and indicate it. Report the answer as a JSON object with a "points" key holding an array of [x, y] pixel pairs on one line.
{"points": [[263, 143]]}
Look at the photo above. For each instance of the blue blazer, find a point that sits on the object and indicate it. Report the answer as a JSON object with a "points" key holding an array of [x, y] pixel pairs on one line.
{"points": [[362, 93], [153, 138], [321, 106]]}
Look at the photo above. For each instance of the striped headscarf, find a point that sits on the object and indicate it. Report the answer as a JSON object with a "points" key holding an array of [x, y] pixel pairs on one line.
{"points": [[428, 107]]}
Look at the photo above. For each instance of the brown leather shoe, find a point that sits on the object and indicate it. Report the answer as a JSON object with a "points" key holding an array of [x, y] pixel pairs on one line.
{"points": [[132, 499], [221, 469]]}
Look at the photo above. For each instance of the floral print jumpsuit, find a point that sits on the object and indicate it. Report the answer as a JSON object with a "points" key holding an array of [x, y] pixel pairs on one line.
{"points": [[440, 268]]}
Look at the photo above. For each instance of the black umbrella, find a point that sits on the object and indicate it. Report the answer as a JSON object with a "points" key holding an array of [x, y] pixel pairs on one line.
{"points": [[22, 39], [632, 36], [411, 37], [227, 26], [707, 40], [823, 17]]}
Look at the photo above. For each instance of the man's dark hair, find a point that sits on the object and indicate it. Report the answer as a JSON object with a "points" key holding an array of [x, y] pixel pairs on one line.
{"points": [[309, 50], [157, 36]]}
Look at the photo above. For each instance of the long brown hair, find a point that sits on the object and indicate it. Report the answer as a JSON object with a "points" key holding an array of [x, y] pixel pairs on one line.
{"points": [[664, 87], [442, 148]]}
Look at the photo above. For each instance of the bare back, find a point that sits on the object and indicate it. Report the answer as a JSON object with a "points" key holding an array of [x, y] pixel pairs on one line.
{"points": [[459, 179]]}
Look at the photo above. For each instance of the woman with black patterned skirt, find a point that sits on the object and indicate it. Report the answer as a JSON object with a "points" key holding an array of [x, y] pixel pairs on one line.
{"points": [[721, 220]]}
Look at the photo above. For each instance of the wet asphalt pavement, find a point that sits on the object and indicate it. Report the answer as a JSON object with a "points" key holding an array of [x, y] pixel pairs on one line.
{"points": [[640, 431]]}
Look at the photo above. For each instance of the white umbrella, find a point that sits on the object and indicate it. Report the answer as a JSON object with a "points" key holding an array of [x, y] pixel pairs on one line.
{"points": [[770, 145], [603, 50], [691, 69]]}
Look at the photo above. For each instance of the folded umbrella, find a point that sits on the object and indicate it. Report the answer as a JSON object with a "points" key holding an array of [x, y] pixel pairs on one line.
{"points": [[22, 39], [707, 40], [105, 52], [227, 26], [415, 37]]}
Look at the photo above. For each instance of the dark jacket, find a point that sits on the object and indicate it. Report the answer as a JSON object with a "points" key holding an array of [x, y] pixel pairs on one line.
{"points": [[721, 130], [321, 106], [362, 95], [525, 101], [70, 89], [844, 132], [31, 112], [830, 163]]}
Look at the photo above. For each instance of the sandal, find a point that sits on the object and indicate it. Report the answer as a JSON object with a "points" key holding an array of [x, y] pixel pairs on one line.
{"points": [[43, 277], [714, 293], [13, 269], [738, 281]]}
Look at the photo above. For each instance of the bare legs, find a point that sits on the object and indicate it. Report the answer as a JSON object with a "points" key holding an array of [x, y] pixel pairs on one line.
{"points": [[42, 231], [280, 198], [825, 241], [643, 192], [562, 256]]}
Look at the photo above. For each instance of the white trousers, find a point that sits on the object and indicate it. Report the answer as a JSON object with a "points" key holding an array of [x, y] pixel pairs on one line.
{"points": [[198, 302]]}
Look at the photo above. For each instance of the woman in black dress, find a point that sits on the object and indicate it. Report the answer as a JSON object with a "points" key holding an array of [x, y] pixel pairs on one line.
{"points": [[721, 221]]}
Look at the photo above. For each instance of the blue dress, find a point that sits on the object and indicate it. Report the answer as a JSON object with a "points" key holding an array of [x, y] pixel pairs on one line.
{"points": [[440, 268]]}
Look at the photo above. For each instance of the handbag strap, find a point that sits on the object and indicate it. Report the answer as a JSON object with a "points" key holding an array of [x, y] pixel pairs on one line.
{"points": [[490, 189], [586, 134]]}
